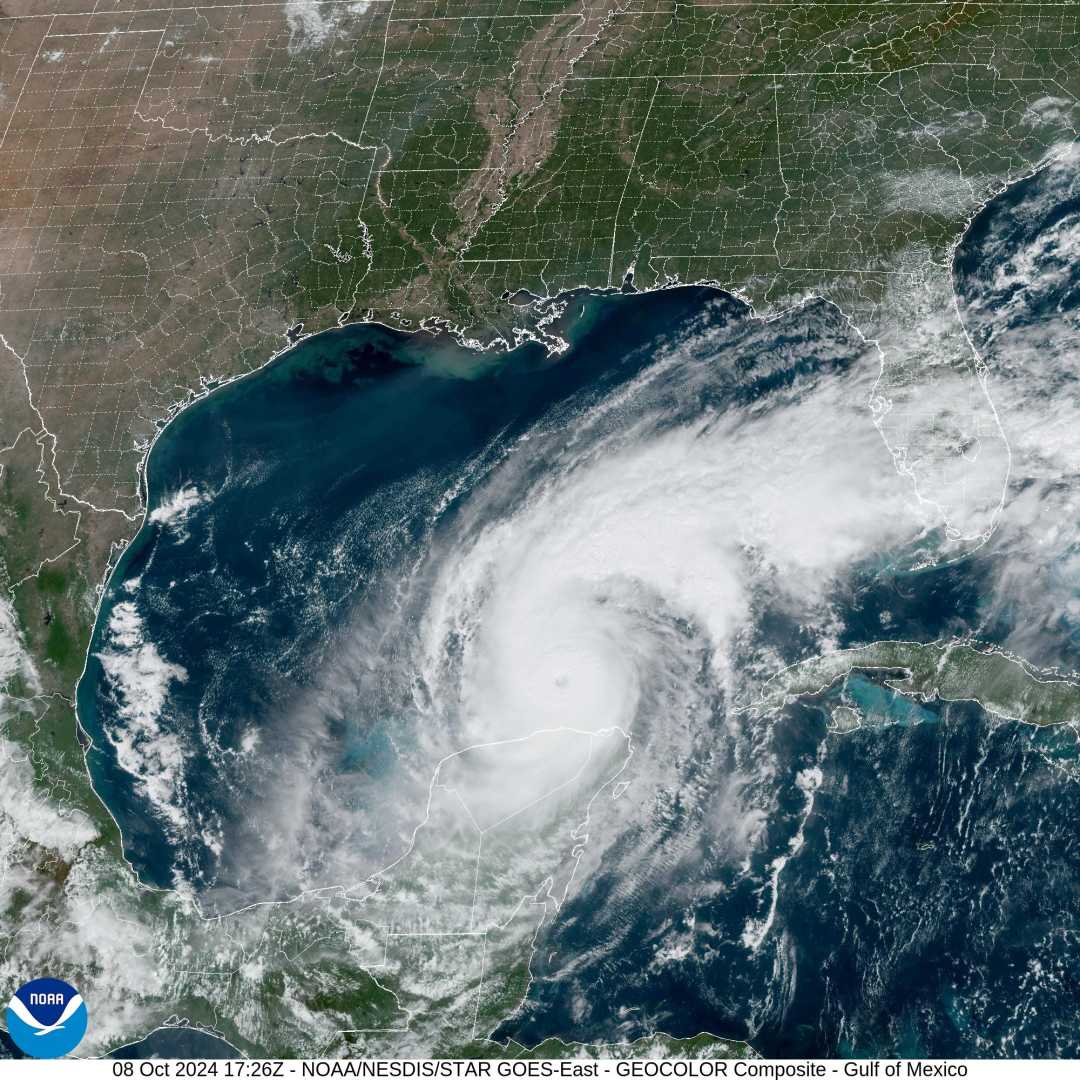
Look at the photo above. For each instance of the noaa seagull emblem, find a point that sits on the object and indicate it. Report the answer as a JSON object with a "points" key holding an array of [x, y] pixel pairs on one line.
{"points": [[46, 1018]]}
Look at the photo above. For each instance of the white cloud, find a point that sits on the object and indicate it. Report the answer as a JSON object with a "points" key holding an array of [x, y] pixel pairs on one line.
{"points": [[932, 407], [1050, 110], [14, 659], [140, 678], [610, 555], [26, 815], [174, 510], [1021, 307], [312, 24], [553, 606], [931, 191]]}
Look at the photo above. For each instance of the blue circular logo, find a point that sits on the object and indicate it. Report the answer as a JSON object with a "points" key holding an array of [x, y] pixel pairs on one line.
{"points": [[46, 1018]]}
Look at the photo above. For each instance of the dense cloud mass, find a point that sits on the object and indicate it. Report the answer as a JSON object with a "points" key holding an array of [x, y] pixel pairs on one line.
{"points": [[495, 637]]}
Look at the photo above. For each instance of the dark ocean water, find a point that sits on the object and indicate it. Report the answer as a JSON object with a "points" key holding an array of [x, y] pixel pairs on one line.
{"points": [[917, 878], [177, 1042], [322, 472]]}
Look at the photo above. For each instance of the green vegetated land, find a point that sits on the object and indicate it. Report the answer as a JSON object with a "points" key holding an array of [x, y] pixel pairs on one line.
{"points": [[772, 147], [957, 671]]}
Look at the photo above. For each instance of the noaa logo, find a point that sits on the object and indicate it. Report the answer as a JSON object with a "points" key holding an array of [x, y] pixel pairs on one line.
{"points": [[46, 1018]]}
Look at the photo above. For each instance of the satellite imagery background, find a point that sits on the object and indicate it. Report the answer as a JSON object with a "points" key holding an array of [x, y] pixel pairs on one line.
{"points": [[540, 527]]}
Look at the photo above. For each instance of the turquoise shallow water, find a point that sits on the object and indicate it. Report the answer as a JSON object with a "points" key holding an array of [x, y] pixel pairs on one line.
{"points": [[260, 712]]}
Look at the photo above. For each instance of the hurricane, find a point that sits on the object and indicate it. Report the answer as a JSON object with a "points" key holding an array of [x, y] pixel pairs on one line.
{"points": [[488, 663]]}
